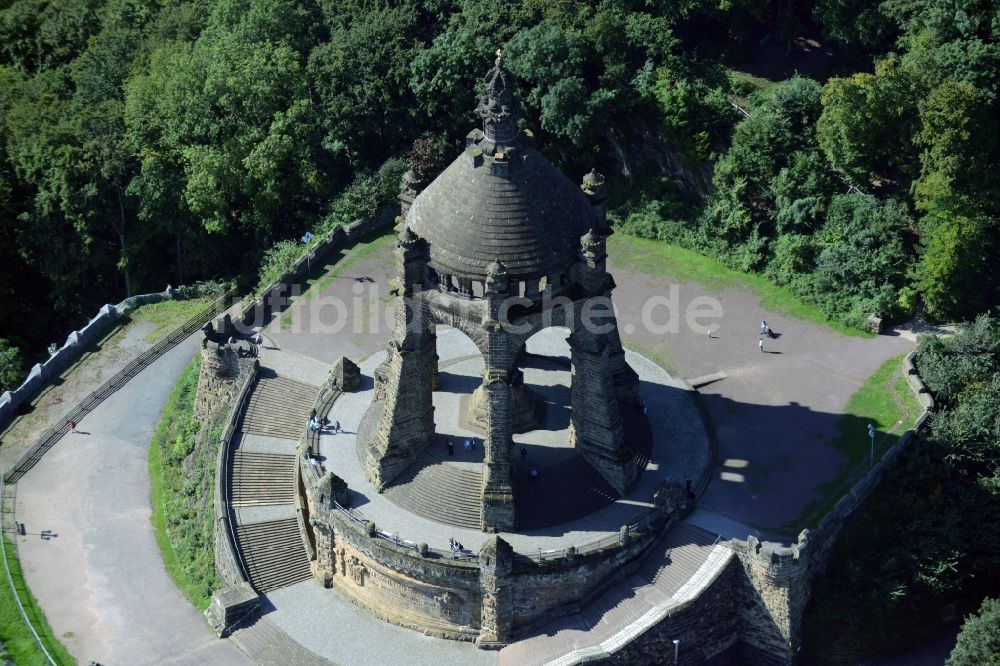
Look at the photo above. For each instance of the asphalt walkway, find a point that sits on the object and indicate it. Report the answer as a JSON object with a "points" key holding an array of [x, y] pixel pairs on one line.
{"points": [[99, 577]]}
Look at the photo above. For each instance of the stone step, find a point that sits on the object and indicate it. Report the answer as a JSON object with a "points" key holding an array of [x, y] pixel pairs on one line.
{"points": [[670, 564], [440, 492], [274, 553], [278, 407], [262, 478]]}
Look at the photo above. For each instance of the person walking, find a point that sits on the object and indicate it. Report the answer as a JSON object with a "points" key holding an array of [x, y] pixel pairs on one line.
{"points": [[72, 426], [524, 453], [760, 343], [336, 427], [763, 327], [451, 448]]}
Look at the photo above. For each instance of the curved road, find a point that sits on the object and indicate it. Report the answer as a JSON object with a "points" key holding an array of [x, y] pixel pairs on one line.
{"points": [[100, 578]]}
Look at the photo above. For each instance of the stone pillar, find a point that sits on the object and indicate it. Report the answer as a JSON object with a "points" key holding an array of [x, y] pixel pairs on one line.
{"points": [[498, 491], [778, 591], [594, 188], [595, 425], [410, 185], [217, 380], [496, 617], [406, 421], [592, 274]]}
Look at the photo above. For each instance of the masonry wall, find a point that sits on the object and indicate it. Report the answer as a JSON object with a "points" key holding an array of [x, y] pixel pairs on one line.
{"points": [[708, 628], [542, 592], [76, 344], [439, 596]]}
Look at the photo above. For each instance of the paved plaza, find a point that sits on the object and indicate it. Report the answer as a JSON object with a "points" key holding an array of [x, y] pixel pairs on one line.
{"points": [[680, 449]]}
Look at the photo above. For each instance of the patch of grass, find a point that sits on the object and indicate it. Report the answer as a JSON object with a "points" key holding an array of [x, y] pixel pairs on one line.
{"points": [[884, 400], [658, 258], [167, 315], [14, 634], [744, 85], [182, 475]]}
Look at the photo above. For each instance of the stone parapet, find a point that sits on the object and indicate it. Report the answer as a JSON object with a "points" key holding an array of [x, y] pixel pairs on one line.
{"points": [[409, 584]]}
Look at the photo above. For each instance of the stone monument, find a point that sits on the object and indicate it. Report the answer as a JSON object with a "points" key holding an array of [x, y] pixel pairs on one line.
{"points": [[500, 246]]}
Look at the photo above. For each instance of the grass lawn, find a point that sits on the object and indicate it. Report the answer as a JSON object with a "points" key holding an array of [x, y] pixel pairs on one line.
{"points": [[17, 640], [167, 315], [188, 556], [884, 400], [659, 258]]}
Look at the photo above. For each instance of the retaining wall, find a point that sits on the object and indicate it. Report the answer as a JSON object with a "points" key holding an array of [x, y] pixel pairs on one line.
{"points": [[76, 344], [428, 591]]}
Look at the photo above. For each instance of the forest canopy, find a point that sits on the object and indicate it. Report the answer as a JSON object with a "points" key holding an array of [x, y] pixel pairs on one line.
{"points": [[147, 143]]}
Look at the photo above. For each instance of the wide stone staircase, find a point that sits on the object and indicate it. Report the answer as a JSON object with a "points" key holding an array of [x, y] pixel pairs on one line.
{"points": [[274, 553], [262, 481], [279, 407], [560, 493], [441, 492], [685, 559], [262, 478]]}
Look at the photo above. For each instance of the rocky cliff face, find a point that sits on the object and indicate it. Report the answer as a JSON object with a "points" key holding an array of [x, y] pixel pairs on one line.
{"points": [[638, 149]]}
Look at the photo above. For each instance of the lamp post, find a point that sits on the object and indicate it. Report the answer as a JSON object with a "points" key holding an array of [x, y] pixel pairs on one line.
{"points": [[871, 434], [677, 645]]}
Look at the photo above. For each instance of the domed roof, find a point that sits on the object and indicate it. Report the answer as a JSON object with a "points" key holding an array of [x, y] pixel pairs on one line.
{"points": [[501, 201]]}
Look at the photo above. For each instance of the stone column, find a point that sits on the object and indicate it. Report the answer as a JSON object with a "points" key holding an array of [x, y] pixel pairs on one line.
{"points": [[498, 491], [496, 617], [410, 185], [592, 274], [777, 592], [595, 425], [406, 421]]}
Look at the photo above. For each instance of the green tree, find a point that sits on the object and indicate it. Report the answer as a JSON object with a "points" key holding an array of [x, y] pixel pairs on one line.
{"points": [[548, 63], [959, 141], [978, 642], [855, 24], [867, 122], [235, 118], [863, 257], [361, 81], [957, 272], [445, 76], [36, 35], [11, 366]]}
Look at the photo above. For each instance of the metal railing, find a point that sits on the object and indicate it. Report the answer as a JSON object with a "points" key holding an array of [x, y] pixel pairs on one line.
{"points": [[13, 588], [48, 439]]}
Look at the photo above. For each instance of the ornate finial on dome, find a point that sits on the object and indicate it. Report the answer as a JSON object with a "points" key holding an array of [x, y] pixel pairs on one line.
{"points": [[593, 184], [407, 237], [496, 277], [498, 107], [591, 238]]}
